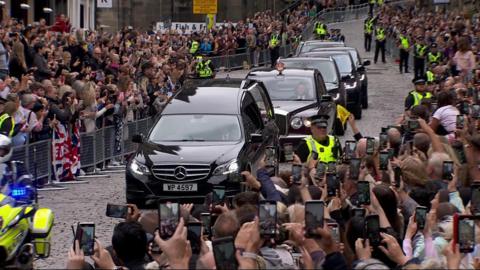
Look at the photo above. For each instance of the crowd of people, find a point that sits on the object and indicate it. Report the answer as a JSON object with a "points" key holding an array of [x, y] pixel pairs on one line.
{"points": [[412, 203]]}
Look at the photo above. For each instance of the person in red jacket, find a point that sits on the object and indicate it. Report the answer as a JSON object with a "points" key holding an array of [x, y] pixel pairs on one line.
{"points": [[62, 24]]}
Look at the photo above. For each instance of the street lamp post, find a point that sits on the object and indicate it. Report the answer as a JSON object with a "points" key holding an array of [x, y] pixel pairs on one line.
{"points": [[25, 9], [2, 5]]}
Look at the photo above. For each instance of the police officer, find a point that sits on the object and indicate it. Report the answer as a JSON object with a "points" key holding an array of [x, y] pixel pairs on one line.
{"points": [[320, 30], [415, 97], [274, 47], [371, 4], [379, 43], [194, 46], [326, 147], [204, 69], [434, 56], [368, 26], [420, 52], [404, 46]]}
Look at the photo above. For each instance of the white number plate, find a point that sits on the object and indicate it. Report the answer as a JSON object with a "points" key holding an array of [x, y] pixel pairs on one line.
{"points": [[180, 187]]}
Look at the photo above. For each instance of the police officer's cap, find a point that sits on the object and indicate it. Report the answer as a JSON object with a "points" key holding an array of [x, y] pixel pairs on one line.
{"points": [[434, 45], [319, 120], [419, 81]]}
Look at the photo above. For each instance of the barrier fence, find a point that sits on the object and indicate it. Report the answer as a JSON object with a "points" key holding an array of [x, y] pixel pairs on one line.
{"points": [[96, 148]]}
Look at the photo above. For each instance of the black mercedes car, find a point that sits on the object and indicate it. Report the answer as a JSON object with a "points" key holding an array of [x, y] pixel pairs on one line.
{"points": [[210, 132], [309, 45], [296, 95]]}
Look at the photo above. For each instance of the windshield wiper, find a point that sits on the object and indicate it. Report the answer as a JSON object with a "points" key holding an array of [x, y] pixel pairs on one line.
{"points": [[192, 140]]}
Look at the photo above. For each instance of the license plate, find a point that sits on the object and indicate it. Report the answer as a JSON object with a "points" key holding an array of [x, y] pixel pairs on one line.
{"points": [[180, 187]]}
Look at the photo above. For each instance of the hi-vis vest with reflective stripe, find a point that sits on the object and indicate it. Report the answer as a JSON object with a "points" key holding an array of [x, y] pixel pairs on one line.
{"points": [[421, 49], [434, 58], [430, 76], [417, 97], [380, 2], [273, 40], [320, 29], [404, 42], [380, 34], [4, 117], [194, 47], [369, 26], [204, 70], [372, 1], [325, 153]]}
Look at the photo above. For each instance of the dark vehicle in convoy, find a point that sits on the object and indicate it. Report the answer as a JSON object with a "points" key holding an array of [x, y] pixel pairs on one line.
{"points": [[208, 133], [330, 73], [350, 78], [308, 46], [296, 95], [359, 65]]}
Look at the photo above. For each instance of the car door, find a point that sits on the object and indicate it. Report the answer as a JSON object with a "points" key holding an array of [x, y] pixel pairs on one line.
{"points": [[327, 108], [252, 124]]}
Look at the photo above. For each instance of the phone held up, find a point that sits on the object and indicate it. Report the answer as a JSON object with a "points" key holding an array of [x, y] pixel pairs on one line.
{"points": [[85, 234]]}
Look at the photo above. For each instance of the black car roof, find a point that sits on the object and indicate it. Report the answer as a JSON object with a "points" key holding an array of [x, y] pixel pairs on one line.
{"points": [[287, 71], [323, 42], [218, 96], [326, 52], [334, 49], [326, 59]]}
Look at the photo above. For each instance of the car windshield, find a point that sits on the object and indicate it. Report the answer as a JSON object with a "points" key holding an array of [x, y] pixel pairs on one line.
{"points": [[311, 46], [196, 127], [284, 87], [326, 68], [354, 55], [343, 62]]}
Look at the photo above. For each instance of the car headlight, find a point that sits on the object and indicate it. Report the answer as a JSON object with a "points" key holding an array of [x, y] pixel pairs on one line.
{"points": [[335, 95], [350, 85], [227, 168], [307, 123], [139, 168], [362, 77], [296, 123]]}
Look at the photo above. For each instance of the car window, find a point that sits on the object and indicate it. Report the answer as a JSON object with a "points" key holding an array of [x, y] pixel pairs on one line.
{"points": [[356, 57], [343, 62], [262, 102], [196, 127], [326, 68], [252, 120], [289, 87]]}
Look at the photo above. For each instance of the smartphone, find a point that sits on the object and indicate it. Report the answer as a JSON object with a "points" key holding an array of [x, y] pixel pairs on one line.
{"points": [[267, 214], [460, 152], [288, 152], [85, 235], [359, 212], [434, 106], [383, 140], [314, 156], [397, 171], [476, 111], [321, 170], [384, 160], [475, 199], [194, 234], [314, 215], [331, 167], [447, 170], [224, 253], [169, 215], [370, 146], [421, 217], [270, 153], [335, 230], [332, 184], [350, 147], [297, 174], [460, 122], [363, 191], [464, 232], [206, 219], [218, 195], [117, 210], [355, 168], [372, 230]]}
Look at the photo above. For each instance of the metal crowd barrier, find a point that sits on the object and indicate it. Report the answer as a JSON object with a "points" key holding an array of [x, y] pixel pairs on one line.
{"points": [[96, 148]]}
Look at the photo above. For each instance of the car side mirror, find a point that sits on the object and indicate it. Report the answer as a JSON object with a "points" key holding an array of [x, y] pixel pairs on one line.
{"points": [[256, 138], [367, 63], [137, 138], [346, 78], [361, 69]]}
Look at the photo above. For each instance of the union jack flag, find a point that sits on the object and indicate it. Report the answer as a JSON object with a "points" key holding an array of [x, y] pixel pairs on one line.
{"points": [[66, 152]]}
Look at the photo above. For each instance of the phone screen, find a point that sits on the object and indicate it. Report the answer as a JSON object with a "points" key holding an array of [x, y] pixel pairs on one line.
{"points": [[314, 215], [460, 121], [206, 219], [383, 160], [370, 146], [413, 125], [350, 147], [117, 211], [363, 190], [267, 213], [270, 156], [335, 231], [391, 153], [297, 173], [476, 111], [373, 229], [420, 217], [383, 140], [224, 253], [447, 170], [475, 201], [397, 176], [218, 195], [288, 152], [466, 235], [460, 152], [86, 236], [354, 168], [194, 231], [321, 170], [332, 184], [169, 216]]}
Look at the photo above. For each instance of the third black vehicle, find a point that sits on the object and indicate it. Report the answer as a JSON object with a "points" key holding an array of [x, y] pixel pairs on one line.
{"points": [[309, 45], [210, 132]]}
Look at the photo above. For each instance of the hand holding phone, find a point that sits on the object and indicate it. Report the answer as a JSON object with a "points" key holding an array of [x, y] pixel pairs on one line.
{"points": [[314, 216], [421, 217], [85, 235], [332, 184], [460, 124], [267, 214], [370, 146], [270, 153], [363, 192], [288, 152], [224, 253], [464, 232], [218, 195], [169, 215], [297, 174], [117, 211], [447, 170], [372, 230]]}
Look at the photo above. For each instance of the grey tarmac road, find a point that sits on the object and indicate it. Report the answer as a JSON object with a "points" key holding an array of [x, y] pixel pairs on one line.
{"points": [[87, 202]]}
